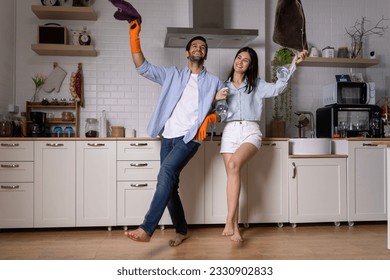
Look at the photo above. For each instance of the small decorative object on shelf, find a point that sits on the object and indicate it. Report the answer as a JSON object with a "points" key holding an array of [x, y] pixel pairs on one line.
{"points": [[358, 32], [84, 38], [50, 2], [81, 3], [39, 80]]}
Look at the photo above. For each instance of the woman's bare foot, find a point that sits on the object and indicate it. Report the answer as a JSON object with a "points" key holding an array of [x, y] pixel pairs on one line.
{"points": [[236, 237], [228, 230], [138, 235], [179, 238]]}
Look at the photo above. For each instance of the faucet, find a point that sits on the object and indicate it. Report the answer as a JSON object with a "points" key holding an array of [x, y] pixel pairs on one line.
{"points": [[304, 122]]}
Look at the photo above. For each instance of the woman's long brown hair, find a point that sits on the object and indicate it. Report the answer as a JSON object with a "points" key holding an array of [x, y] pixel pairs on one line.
{"points": [[253, 70]]}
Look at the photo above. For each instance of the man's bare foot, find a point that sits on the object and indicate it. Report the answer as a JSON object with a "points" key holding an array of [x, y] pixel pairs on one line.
{"points": [[179, 238], [138, 235], [236, 237]]}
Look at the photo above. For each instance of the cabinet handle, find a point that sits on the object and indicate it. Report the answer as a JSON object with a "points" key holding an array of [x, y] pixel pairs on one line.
{"points": [[9, 144], [138, 144], [96, 144], [370, 145], [10, 187], [268, 144], [54, 145], [10, 165], [138, 164], [294, 170], [139, 185]]}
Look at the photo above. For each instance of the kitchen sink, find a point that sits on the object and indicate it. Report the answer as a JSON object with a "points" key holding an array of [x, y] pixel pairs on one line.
{"points": [[310, 146]]}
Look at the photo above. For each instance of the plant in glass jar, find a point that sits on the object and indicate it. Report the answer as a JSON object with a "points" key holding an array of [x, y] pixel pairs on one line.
{"points": [[282, 102], [39, 80], [358, 32]]}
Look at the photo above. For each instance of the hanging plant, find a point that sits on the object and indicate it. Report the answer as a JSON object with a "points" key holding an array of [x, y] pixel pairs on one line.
{"points": [[282, 102]]}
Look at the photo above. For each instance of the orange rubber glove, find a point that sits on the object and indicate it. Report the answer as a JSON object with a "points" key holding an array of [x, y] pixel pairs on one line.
{"points": [[134, 30], [202, 131]]}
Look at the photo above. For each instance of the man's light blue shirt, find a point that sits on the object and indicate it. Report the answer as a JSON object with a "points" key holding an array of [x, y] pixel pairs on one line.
{"points": [[173, 82]]}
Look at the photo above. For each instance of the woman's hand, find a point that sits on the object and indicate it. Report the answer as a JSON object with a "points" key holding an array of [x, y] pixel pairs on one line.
{"points": [[301, 56], [222, 94]]}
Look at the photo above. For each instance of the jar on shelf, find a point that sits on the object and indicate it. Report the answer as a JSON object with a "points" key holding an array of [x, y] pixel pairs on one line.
{"points": [[67, 116], [91, 127]]}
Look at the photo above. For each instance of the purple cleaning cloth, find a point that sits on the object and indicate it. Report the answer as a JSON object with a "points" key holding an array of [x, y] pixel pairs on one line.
{"points": [[125, 11]]}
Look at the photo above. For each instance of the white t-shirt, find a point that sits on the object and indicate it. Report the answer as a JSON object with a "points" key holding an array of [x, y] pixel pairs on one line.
{"points": [[185, 114]]}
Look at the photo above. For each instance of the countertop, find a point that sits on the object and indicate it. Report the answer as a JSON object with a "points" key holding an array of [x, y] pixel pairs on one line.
{"points": [[385, 141]]}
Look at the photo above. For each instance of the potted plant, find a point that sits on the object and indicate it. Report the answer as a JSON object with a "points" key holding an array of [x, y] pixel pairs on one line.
{"points": [[358, 32], [282, 102]]}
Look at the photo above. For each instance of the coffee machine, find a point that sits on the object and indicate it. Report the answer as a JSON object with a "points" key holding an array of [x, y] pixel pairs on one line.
{"points": [[38, 124]]}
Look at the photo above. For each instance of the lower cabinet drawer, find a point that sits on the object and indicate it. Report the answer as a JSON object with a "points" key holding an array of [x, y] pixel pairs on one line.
{"points": [[16, 150], [16, 205], [137, 170], [16, 171], [133, 200]]}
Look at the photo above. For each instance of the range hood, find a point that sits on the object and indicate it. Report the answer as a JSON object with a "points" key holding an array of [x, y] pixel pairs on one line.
{"points": [[207, 19]]}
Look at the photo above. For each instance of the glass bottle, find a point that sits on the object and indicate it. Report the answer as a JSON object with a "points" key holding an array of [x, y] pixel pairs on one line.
{"points": [[91, 127], [221, 108]]}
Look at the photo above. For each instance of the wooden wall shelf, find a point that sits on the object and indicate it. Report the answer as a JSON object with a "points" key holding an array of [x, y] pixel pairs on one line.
{"points": [[339, 62], [63, 50], [64, 12]]}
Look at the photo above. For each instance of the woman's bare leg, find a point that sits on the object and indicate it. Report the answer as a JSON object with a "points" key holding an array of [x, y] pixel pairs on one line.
{"points": [[233, 165]]}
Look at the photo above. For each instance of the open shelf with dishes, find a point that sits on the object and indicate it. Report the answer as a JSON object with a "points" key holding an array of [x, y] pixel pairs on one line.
{"points": [[59, 114]]}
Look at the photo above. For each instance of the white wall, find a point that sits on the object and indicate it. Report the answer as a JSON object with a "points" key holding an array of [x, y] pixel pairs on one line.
{"points": [[112, 84], [7, 47]]}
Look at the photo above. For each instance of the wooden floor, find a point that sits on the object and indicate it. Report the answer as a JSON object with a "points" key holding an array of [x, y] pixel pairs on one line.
{"points": [[363, 241]]}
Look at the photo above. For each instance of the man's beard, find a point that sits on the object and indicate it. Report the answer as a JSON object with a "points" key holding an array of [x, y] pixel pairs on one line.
{"points": [[196, 59]]}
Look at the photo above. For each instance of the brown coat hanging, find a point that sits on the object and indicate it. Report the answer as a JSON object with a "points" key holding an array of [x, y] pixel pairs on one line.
{"points": [[290, 29]]}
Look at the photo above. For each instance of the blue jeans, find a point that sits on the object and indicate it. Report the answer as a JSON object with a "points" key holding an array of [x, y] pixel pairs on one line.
{"points": [[174, 155]]}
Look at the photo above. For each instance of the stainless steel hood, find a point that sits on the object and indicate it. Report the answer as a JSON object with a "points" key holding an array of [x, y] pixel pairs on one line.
{"points": [[207, 19]]}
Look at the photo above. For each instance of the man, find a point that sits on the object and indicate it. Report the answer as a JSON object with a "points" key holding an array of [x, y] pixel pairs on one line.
{"points": [[186, 98]]}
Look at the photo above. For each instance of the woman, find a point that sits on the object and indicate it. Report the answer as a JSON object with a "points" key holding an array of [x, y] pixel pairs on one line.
{"points": [[242, 136]]}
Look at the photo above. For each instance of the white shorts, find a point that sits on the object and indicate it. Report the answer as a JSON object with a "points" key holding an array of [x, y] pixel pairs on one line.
{"points": [[238, 132]]}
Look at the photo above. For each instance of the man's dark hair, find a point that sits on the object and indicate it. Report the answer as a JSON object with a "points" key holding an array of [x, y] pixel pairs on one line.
{"points": [[196, 38]]}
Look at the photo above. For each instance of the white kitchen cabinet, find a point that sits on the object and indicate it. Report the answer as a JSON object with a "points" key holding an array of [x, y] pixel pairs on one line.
{"points": [[388, 195], [318, 189], [54, 183], [268, 184], [16, 184], [95, 183], [215, 187], [366, 181], [138, 164]]}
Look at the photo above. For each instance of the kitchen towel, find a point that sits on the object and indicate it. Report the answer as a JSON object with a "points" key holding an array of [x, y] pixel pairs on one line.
{"points": [[125, 11], [290, 28]]}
